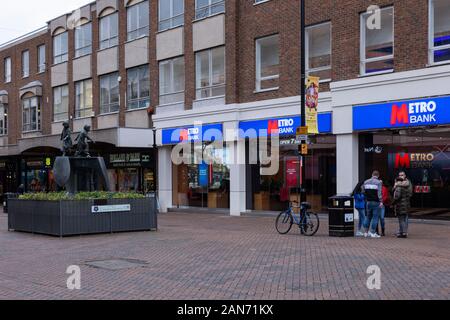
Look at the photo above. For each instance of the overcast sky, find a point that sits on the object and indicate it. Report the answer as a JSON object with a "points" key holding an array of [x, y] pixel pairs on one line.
{"points": [[18, 17]]}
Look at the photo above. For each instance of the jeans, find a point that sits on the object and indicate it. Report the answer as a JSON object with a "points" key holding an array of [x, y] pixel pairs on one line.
{"points": [[362, 218], [373, 216], [382, 217], [403, 221]]}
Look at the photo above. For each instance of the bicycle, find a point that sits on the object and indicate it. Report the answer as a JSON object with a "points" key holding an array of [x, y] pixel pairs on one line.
{"points": [[308, 223]]}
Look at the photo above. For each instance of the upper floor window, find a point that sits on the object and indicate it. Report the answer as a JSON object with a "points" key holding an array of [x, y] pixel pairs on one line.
{"points": [[171, 14], [83, 40], [7, 69], [60, 48], [3, 119], [138, 20], [439, 31], [171, 81], [260, 1], [41, 59], [83, 99], [60, 103], [109, 31], [318, 51], [206, 8], [25, 64], [267, 63], [377, 43], [210, 71], [138, 88], [31, 114], [109, 93]]}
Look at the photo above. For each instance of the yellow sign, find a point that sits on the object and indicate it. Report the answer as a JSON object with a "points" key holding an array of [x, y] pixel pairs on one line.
{"points": [[304, 149], [302, 131], [312, 104], [48, 162]]}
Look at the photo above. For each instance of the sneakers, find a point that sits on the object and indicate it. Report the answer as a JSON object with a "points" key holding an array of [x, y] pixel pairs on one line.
{"points": [[359, 234], [373, 235]]}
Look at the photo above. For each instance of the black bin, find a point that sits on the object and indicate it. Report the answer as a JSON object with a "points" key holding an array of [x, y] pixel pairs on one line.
{"points": [[8, 196], [341, 216]]}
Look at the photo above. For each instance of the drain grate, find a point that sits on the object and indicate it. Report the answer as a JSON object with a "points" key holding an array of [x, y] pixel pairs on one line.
{"points": [[116, 264]]}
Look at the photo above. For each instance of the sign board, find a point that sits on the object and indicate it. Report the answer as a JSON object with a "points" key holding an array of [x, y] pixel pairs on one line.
{"points": [[349, 218], [302, 131], [304, 149], [112, 208], [312, 104], [203, 133]]}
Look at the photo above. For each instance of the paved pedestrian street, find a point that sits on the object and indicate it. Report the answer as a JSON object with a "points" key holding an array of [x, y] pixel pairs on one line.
{"points": [[201, 256]]}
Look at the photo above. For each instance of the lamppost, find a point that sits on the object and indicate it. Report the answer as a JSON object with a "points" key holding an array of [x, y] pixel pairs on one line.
{"points": [[302, 99]]}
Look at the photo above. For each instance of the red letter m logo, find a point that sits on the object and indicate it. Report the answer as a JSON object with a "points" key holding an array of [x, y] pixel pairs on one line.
{"points": [[399, 115], [272, 126], [184, 135], [402, 161]]}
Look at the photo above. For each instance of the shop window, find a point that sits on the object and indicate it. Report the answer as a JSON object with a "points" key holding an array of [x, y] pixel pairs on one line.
{"points": [[138, 20], [138, 88], [171, 81], [171, 14], [439, 31], [210, 71], [3, 119], [25, 64], [109, 31], [318, 52], [41, 59], [7, 68], [109, 93], [31, 114], [83, 40], [60, 48], [61, 103], [206, 8], [377, 43], [267, 63], [83, 99]]}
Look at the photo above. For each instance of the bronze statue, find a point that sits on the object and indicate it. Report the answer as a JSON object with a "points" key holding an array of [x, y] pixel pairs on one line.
{"points": [[83, 140], [66, 138]]}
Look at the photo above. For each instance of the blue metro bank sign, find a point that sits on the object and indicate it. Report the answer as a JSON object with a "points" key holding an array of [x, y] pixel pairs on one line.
{"points": [[400, 114]]}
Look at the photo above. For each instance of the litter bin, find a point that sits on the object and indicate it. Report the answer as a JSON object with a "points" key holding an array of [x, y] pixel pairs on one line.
{"points": [[8, 196], [341, 216]]}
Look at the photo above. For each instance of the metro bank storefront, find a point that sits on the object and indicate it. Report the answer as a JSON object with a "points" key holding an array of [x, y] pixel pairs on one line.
{"points": [[411, 136]]}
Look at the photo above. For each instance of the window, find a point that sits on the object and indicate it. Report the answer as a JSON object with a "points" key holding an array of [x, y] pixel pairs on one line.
{"points": [[138, 88], [260, 1], [267, 63], [109, 31], [60, 48], [171, 14], [60, 103], [318, 51], [3, 119], [83, 99], [31, 114], [138, 21], [7, 65], [83, 40], [109, 93], [25, 64], [377, 45], [171, 81], [210, 71], [206, 8], [41, 59], [439, 31]]}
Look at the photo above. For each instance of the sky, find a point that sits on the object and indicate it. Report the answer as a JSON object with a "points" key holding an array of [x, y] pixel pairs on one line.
{"points": [[18, 17]]}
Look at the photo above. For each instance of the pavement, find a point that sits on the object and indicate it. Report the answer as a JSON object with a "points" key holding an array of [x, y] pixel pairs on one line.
{"points": [[213, 257]]}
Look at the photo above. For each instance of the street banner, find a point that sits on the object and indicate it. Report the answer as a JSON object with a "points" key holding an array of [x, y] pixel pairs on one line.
{"points": [[203, 175], [312, 104]]}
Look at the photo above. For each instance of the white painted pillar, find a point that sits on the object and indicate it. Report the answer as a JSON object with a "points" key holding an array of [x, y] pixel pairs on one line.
{"points": [[237, 178], [165, 178], [347, 148]]}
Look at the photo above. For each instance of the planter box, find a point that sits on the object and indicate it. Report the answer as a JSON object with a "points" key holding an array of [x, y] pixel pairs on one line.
{"points": [[70, 218]]}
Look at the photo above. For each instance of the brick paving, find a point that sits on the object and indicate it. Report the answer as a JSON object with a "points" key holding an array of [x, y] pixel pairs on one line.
{"points": [[201, 256]]}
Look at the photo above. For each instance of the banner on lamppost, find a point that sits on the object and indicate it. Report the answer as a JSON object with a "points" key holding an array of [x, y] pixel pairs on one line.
{"points": [[312, 104]]}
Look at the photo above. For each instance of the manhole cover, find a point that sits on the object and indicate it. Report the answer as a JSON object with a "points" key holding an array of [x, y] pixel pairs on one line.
{"points": [[117, 264]]}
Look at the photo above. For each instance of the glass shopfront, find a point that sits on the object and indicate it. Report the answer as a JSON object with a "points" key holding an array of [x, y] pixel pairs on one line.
{"points": [[8, 177], [37, 175]]}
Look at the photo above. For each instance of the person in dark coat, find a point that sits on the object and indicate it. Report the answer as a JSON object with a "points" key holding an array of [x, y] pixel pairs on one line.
{"points": [[401, 206]]}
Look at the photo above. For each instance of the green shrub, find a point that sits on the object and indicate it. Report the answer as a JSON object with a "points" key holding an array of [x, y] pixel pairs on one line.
{"points": [[59, 196]]}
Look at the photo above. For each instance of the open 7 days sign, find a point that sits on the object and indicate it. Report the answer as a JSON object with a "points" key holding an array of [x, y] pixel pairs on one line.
{"points": [[399, 114], [112, 208]]}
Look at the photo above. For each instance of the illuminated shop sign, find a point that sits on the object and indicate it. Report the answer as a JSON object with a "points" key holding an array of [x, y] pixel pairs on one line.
{"points": [[413, 160], [416, 113], [205, 133], [136, 159], [283, 126]]}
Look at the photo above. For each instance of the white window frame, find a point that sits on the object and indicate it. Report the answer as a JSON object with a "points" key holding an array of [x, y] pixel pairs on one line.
{"points": [[431, 47], [138, 6], [30, 108], [86, 111], [25, 64], [171, 18], [209, 8], [198, 87], [58, 93], [110, 104], [259, 78], [172, 81], [319, 69], [87, 49], [41, 66], [4, 119], [110, 41], [7, 65], [140, 99], [363, 60], [62, 56]]}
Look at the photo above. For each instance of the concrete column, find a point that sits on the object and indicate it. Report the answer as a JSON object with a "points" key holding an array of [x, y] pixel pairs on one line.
{"points": [[347, 148], [165, 178], [237, 178]]}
